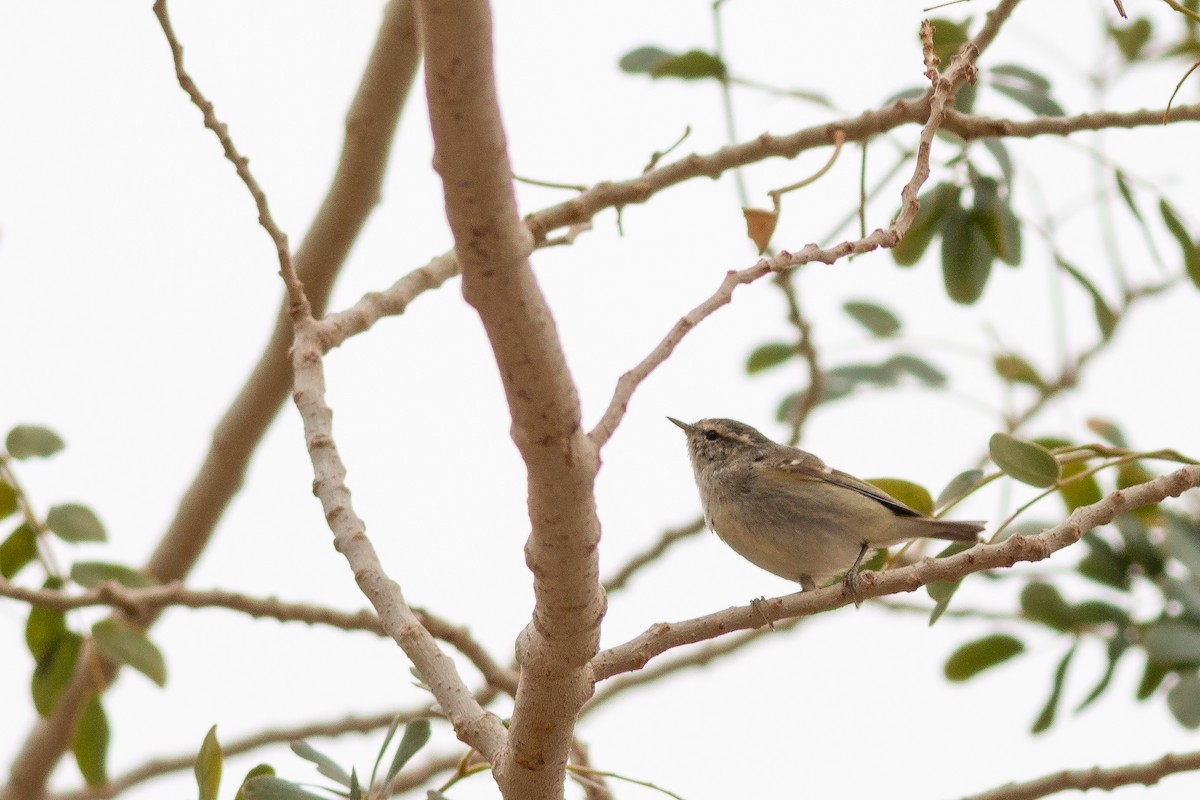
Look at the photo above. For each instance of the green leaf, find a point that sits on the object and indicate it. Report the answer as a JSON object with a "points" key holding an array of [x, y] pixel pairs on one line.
{"points": [[1152, 678], [1077, 492], [89, 743], [1191, 250], [19, 549], [1103, 564], [261, 769], [1042, 603], [391, 731], [1184, 700], [690, 66], [999, 152], [1018, 74], [207, 766], [1183, 542], [948, 36], [1133, 473], [75, 523], [54, 672], [1108, 431], [325, 765], [1036, 101], [90, 574], [122, 643], [877, 319], [416, 734], [1138, 545], [920, 369], [966, 258], [45, 625], [29, 441], [1132, 38], [355, 790], [974, 657], [1098, 612], [1106, 318], [934, 205], [8, 500], [913, 495], [643, 60], [1026, 461], [941, 592], [1127, 196], [1015, 369], [1116, 648], [268, 787], [959, 486], [1173, 642], [769, 355], [1186, 593], [1046, 718]]}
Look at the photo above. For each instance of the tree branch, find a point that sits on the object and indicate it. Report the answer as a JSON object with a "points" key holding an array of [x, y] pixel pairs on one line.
{"points": [[1106, 778], [354, 191], [635, 564], [638, 652], [493, 247]]}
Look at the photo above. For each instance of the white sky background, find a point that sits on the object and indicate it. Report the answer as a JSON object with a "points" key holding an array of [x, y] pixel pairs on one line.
{"points": [[138, 290]]}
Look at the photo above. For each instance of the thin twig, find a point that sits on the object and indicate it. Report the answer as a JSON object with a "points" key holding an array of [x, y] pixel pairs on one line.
{"points": [[1105, 778]]}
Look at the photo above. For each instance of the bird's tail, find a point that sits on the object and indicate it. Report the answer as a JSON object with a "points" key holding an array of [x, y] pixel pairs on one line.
{"points": [[951, 529]]}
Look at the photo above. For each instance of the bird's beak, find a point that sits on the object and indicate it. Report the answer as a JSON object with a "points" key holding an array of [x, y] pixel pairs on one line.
{"points": [[683, 425]]}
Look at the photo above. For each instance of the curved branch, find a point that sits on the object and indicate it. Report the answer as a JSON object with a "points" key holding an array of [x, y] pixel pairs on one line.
{"points": [[658, 639], [1106, 778]]}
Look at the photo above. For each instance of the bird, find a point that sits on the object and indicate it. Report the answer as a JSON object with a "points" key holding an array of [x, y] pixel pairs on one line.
{"points": [[784, 510]]}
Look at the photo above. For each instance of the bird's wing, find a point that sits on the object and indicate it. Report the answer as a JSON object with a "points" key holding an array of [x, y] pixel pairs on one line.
{"points": [[807, 467]]}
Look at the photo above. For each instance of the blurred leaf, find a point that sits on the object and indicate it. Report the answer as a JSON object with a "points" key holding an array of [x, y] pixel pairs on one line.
{"points": [[760, 226], [1042, 603], [1098, 612], [75, 523], [974, 657], [941, 592], [999, 152], [355, 791], [1015, 369], [90, 574], [1106, 318], [89, 743], [1190, 249], [1132, 473], [1131, 38], [1017, 73], [1036, 101], [391, 731], [962, 483], [769, 355], [1046, 718], [29, 441], [1027, 462], [325, 765], [911, 494], [19, 549], [122, 643], [1152, 678], [877, 319], [1108, 431], [1186, 593], [935, 204], [54, 671], [268, 787], [1138, 545], [1103, 564], [948, 36], [416, 734], [1184, 700], [690, 66], [988, 211], [852, 374], [643, 60], [920, 369], [966, 257], [1080, 491], [1183, 542], [261, 769], [45, 625], [8, 499], [1127, 195], [207, 767], [1116, 648], [1173, 642]]}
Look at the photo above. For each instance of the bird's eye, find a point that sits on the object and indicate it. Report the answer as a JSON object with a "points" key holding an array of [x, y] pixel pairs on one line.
{"points": [[712, 436]]}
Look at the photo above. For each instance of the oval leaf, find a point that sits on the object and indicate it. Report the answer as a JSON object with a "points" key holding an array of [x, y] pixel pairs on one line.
{"points": [[73, 522], [974, 657], [19, 549], [1172, 642], [769, 355], [693, 65], [920, 369], [416, 734], [54, 671], [122, 643], [89, 743], [966, 258], [934, 206], [1042, 603], [261, 769], [207, 766], [1026, 461], [1184, 700], [959, 486], [325, 765], [1078, 491], [90, 574], [643, 60], [1015, 369], [268, 787], [30, 441], [8, 500], [913, 495], [877, 319]]}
